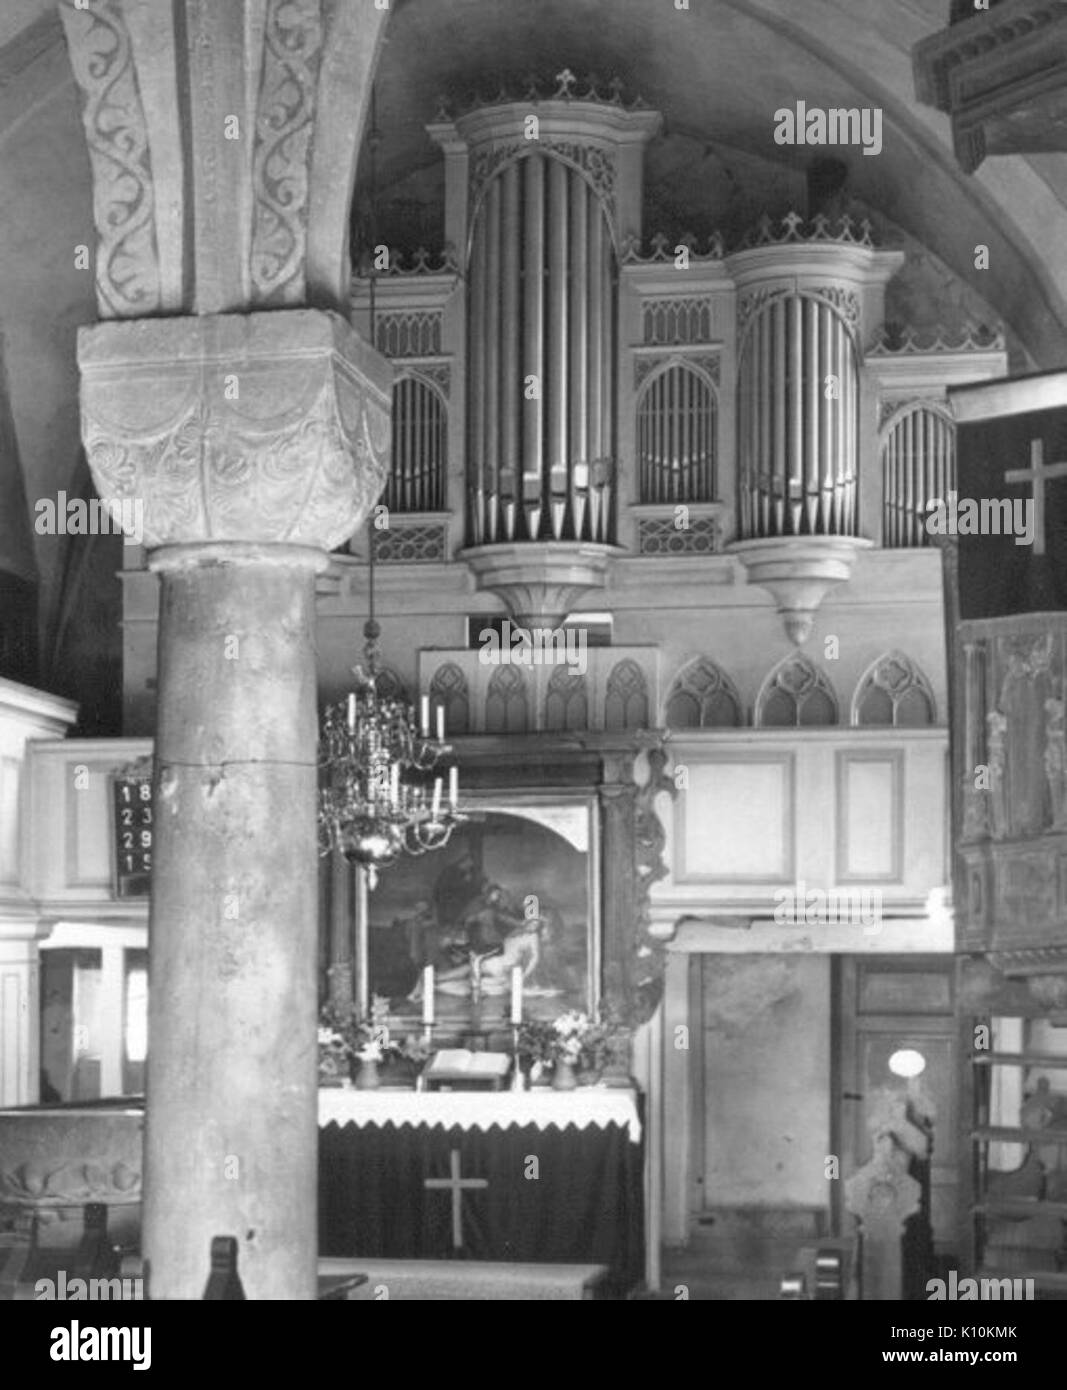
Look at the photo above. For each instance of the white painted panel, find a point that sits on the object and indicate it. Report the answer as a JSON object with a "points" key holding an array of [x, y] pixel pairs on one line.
{"points": [[9, 819], [90, 865], [870, 848], [11, 1043], [736, 820]]}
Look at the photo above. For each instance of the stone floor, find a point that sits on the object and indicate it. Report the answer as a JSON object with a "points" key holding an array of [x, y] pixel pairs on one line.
{"points": [[739, 1256]]}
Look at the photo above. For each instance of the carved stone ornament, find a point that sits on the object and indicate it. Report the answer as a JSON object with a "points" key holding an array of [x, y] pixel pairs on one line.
{"points": [[127, 260], [262, 427], [292, 51]]}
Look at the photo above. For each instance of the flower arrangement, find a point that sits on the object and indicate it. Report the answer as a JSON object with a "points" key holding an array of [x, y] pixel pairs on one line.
{"points": [[574, 1038], [344, 1038]]}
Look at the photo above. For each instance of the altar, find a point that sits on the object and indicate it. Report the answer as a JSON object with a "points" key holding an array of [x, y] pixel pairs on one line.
{"points": [[532, 1176]]}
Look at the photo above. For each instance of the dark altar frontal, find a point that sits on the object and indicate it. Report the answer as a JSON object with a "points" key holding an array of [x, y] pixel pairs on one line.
{"points": [[527, 1177], [535, 1176]]}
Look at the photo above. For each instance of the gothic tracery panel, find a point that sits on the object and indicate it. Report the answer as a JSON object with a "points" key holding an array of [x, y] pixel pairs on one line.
{"points": [[703, 697], [796, 694], [449, 688], [626, 701], [566, 701], [506, 705], [893, 692]]}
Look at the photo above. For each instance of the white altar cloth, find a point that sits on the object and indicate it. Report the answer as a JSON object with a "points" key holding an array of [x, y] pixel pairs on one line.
{"points": [[545, 1108]]}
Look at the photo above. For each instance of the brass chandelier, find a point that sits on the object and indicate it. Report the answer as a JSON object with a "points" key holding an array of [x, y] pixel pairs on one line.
{"points": [[377, 798]]}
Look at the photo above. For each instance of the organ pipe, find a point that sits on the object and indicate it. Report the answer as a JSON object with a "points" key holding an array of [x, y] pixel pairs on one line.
{"points": [[507, 326], [542, 307], [797, 439], [491, 308], [533, 340]]}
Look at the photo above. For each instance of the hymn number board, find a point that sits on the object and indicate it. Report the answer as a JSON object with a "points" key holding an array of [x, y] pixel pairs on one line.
{"points": [[132, 792]]}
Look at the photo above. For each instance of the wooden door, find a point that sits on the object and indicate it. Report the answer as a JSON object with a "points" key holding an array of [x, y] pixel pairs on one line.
{"points": [[887, 1005]]}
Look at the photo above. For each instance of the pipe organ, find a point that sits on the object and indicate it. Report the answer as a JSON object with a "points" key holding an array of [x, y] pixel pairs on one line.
{"points": [[552, 188], [564, 391], [798, 416], [918, 465]]}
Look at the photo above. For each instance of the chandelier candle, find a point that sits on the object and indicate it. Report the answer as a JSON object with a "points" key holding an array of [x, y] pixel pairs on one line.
{"points": [[427, 995], [453, 786], [440, 723], [425, 716], [516, 994]]}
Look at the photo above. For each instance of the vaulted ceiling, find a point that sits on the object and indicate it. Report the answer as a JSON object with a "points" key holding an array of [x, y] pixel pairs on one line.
{"points": [[717, 71]]}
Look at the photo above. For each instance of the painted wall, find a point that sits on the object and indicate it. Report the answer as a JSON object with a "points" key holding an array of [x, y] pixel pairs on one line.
{"points": [[766, 1040]]}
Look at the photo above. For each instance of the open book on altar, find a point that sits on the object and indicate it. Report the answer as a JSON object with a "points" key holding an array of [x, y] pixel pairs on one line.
{"points": [[457, 1065]]}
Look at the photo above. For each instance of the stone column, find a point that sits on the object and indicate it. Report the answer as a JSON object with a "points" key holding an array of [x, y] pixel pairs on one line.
{"points": [[252, 445]]}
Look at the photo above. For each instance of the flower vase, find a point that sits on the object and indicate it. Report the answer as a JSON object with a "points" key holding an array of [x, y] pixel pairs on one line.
{"points": [[367, 1078], [564, 1076]]}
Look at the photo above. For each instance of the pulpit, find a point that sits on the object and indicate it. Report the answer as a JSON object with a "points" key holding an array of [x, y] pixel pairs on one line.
{"points": [[532, 1176]]}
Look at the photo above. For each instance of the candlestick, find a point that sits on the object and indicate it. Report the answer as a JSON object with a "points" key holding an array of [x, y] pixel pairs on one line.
{"points": [[427, 996], [518, 1081], [351, 714], [440, 723], [436, 799], [453, 785], [516, 994], [425, 715]]}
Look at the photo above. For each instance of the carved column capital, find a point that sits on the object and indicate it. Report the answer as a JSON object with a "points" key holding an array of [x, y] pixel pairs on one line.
{"points": [[264, 428]]}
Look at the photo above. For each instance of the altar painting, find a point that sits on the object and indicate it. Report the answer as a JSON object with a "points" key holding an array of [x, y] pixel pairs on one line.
{"points": [[510, 889]]}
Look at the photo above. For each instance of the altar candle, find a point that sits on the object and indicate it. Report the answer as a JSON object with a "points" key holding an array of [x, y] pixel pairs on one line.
{"points": [[395, 784], [453, 785], [425, 715], [427, 995], [351, 714], [436, 798], [440, 723], [516, 994]]}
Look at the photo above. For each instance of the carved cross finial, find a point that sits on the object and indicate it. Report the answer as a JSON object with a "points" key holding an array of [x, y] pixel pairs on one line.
{"points": [[615, 88], [566, 80], [792, 222]]}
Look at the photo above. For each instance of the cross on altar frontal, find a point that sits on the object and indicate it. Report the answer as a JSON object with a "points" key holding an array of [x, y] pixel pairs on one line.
{"points": [[1037, 472], [456, 1184]]}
